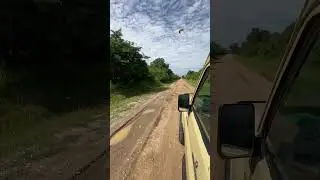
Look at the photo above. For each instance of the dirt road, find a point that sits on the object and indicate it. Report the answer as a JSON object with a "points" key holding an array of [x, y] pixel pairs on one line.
{"points": [[232, 82], [148, 146]]}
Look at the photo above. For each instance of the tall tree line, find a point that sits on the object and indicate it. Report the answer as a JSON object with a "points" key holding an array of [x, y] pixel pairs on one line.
{"points": [[263, 43], [129, 67]]}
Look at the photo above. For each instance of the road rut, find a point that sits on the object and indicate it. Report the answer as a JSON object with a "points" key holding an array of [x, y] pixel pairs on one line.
{"points": [[148, 146]]}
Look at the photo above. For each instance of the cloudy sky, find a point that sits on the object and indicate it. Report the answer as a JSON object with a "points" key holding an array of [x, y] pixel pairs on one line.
{"points": [[154, 24], [232, 20]]}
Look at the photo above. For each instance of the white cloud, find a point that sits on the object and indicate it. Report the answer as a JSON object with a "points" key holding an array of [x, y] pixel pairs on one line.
{"points": [[154, 25]]}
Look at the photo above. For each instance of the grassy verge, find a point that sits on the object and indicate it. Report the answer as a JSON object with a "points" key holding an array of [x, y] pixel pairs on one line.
{"points": [[121, 96], [124, 99], [192, 82], [266, 67], [28, 133]]}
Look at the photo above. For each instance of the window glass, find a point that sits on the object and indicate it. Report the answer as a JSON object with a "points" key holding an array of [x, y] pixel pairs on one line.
{"points": [[294, 136], [202, 104]]}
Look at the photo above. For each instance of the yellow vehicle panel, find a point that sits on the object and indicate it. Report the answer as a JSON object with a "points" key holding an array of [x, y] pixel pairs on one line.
{"points": [[188, 157], [197, 157]]}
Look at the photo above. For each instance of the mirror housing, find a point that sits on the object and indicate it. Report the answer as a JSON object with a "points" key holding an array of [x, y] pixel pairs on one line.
{"points": [[183, 102], [236, 130]]}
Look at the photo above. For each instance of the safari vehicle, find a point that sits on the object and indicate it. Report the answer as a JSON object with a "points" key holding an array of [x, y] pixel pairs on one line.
{"points": [[284, 144], [194, 127]]}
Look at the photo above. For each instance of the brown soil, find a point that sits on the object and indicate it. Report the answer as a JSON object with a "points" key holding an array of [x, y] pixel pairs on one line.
{"points": [[155, 152]]}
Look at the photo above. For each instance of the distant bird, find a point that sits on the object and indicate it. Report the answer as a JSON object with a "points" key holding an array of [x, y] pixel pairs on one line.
{"points": [[180, 30]]}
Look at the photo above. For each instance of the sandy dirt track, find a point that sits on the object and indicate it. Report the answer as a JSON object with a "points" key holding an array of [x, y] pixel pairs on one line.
{"points": [[148, 147]]}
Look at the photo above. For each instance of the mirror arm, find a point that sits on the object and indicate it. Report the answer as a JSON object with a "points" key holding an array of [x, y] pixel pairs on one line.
{"points": [[257, 143], [256, 154]]}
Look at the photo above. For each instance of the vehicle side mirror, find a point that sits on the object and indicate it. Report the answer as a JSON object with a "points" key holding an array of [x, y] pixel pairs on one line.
{"points": [[183, 102], [236, 130]]}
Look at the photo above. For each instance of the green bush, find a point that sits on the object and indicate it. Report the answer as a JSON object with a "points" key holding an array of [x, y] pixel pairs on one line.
{"points": [[161, 71], [193, 75]]}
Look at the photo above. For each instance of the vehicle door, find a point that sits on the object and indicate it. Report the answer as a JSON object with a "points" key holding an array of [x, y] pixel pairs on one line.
{"points": [[291, 124], [290, 127], [198, 126]]}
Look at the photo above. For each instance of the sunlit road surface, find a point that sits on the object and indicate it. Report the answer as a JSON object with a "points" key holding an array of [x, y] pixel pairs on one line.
{"points": [[148, 146]]}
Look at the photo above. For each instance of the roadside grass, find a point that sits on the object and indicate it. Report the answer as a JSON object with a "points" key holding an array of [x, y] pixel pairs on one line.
{"points": [[28, 133], [121, 96], [192, 82], [266, 67], [306, 86], [205, 88]]}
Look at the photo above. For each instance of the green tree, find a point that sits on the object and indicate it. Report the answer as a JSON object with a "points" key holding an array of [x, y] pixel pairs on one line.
{"points": [[127, 62], [263, 43], [161, 71], [193, 75], [216, 50]]}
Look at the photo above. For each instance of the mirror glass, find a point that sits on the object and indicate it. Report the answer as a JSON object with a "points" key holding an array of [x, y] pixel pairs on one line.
{"points": [[236, 129], [183, 102]]}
